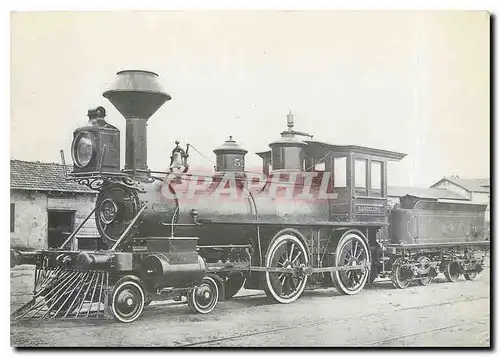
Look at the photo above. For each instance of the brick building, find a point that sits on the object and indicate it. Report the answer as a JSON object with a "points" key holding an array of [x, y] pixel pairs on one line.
{"points": [[44, 208]]}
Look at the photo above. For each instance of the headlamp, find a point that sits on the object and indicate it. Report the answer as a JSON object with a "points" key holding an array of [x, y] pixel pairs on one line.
{"points": [[83, 149]]}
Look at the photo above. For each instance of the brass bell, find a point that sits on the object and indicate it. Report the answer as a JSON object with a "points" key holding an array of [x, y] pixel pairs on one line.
{"points": [[178, 160]]}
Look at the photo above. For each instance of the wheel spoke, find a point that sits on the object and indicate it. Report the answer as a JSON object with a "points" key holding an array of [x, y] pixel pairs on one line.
{"points": [[298, 255], [356, 278], [355, 249], [292, 284], [291, 252], [282, 279]]}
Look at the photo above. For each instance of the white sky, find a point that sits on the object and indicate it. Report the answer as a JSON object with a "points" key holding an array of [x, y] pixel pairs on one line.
{"points": [[416, 83]]}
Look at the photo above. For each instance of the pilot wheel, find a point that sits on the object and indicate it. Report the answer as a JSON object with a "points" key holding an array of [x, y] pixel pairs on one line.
{"points": [[127, 299], [204, 297]]}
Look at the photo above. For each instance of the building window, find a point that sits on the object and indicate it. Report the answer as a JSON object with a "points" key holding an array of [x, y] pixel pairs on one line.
{"points": [[12, 216]]}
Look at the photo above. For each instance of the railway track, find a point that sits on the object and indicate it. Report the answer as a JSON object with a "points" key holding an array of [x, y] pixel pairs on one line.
{"points": [[326, 321], [392, 339]]}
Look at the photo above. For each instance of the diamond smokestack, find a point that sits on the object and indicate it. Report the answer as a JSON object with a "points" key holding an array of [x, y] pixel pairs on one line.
{"points": [[137, 95]]}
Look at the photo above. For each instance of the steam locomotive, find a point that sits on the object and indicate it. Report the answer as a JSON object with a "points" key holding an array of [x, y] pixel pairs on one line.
{"points": [[319, 218]]}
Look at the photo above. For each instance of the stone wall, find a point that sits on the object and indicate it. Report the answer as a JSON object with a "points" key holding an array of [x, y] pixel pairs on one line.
{"points": [[31, 216]]}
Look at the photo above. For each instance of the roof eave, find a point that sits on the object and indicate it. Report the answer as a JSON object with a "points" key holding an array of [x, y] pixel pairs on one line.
{"points": [[55, 190]]}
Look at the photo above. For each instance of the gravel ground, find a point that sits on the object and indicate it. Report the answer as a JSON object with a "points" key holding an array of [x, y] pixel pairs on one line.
{"points": [[441, 314]]}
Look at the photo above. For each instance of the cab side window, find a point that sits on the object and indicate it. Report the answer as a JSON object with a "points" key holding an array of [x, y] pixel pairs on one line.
{"points": [[376, 178], [360, 176], [340, 172]]}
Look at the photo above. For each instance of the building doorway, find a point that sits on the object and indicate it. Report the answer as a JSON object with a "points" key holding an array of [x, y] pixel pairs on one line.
{"points": [[60, 226]]}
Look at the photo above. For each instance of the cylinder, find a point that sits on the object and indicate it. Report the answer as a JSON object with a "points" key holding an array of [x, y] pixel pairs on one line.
{"points": [[166, 269]]}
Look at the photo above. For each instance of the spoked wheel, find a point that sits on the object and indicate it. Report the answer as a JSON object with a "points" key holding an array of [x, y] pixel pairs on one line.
{"points": [[286, 251], [401, 275], [470, 276], [424, 269], [127, 300], [204, 298], [452, 271], [233, 284], [351, 250]]}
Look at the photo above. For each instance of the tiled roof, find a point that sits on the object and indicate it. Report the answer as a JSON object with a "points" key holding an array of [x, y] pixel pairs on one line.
{"points": [[471, 185], [41, 176], [435, 193]]}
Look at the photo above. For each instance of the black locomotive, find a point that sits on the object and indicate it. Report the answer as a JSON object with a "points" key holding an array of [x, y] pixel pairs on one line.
{"points": [[319, 218]]}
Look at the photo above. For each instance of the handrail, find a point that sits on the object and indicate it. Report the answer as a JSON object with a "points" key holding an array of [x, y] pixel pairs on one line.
{"points": [[129, 227], [72, 235]]}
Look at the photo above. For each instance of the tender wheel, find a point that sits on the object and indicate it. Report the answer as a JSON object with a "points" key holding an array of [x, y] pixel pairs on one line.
{"points": [[452, 271], [286, 251], [233, 284], [470, 276], [204, 298], [401, 276], [351, 250], [127, 300], [424, 269]]}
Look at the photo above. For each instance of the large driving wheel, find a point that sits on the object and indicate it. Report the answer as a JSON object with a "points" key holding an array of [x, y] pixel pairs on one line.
{"points": [[452, 271], [424, 269], [127, 300], [232, 285], [351, 250], [401, 275], [286, 251], [204, 298]]}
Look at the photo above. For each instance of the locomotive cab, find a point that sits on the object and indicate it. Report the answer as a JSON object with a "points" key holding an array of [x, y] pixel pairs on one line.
{"points": [[358, 176], [353, 178]]}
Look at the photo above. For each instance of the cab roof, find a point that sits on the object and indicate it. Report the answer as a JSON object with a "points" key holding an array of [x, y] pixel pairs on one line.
{"points": [[319, 149]]}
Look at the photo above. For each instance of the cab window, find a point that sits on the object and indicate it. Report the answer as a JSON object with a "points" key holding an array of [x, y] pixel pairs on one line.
{"points": [[376, 178], [340, 172], [360, 176]]}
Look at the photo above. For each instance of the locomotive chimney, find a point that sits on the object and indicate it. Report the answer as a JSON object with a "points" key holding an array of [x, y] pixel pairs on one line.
{"points": [[137, 95]]}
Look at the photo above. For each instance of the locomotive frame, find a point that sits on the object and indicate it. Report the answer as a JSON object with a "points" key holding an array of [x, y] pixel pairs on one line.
{"points": [[154, 249]]}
